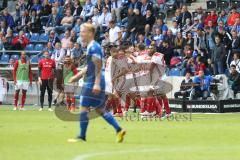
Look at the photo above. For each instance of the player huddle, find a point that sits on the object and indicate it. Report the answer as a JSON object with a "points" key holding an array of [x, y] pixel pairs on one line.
{"points": [[135, 74]]}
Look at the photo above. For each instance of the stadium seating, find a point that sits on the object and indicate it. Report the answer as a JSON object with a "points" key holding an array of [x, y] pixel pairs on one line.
{"points": [[5, 59], [43, 37], [34, 37], [211, 4], [236, 3], [41, 57], [29, 47], [224, 4], [34, 59], [28, 35], [39, 47], [15, 34], [15, 57], [174, 72]]}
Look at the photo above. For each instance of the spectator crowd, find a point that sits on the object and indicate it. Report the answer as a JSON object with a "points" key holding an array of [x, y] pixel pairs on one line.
{"points": [[202, 40]]}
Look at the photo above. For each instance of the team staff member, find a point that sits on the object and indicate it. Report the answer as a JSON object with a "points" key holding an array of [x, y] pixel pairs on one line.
{"points": [[47, 68], [22, 76], [69, 70]]}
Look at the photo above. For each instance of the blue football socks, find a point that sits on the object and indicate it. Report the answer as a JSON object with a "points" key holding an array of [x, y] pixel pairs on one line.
{"points": [[83, 124], [112, 121]]}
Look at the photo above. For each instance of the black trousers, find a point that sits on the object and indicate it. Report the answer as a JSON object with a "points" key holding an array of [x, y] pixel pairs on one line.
{"points": [[184, 94], [46, 84], [197, 93]]}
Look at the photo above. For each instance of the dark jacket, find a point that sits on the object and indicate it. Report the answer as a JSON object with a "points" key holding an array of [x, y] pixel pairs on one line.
{"points": [[184, 16], [78, 11], [234, 79], [35, 26], [236, 44], [53, 22], [140, 23], [218, 53], [186, 88], [168, 53], [46, 10], [9, 20], [131, 22], [150, 20]]}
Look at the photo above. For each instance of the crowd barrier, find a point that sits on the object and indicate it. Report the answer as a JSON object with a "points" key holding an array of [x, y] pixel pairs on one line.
{"points": [[207, 106], [220, 105]]}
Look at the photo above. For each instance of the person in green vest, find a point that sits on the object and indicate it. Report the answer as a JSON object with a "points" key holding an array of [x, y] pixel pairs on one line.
{"points": [[69, 70], [22, 76]]}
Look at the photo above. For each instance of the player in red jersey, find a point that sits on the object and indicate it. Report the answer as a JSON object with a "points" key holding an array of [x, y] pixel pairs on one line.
{"points": [[114, 100], [47, 69], [159, 64]]}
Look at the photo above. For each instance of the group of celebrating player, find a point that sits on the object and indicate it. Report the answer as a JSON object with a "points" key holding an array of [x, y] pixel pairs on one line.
{"points": [[130, 75]]}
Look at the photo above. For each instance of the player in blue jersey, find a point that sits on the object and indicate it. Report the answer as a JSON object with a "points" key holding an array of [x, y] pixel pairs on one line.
{"points": [[93, 89]]}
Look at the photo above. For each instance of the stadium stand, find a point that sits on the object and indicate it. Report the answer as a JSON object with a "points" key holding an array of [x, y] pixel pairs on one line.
{"points": [[139, 22]]}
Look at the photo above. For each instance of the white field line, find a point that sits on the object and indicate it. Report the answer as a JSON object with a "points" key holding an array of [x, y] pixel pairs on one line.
{"points": [[149, 150]]}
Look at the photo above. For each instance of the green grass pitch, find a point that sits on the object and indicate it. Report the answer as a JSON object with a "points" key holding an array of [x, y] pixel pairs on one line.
{"points": [[34, 135]]}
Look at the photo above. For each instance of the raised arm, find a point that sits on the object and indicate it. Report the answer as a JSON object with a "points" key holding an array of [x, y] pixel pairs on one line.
{"points": [[79, 75]]}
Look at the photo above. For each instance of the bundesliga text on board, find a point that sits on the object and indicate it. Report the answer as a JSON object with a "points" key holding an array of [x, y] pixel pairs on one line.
{"points": [[201, 106]]}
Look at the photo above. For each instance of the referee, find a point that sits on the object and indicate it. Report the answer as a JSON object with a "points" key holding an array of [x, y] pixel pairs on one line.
{"points": [[47, 69]]}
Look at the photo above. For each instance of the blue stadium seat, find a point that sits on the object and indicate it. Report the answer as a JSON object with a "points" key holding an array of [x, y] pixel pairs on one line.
{"points": [[34, 37], [41, 57], [29, 47], [174, 72], [34, 59], [43, 37], [38, 47], [28, 35], [15, 57], [5, 59], [15, 34]]}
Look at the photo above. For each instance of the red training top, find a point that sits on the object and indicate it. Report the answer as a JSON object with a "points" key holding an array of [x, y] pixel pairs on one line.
{"points": [[46, 66]]}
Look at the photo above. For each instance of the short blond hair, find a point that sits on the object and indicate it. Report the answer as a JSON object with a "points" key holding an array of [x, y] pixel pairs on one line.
{"points": [[90, 27]]}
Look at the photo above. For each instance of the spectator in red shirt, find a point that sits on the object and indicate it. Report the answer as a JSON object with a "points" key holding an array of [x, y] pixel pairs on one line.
{"points": [[199, 65], [20, 41], [46, 75], [232, 17], [212, 17]]}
